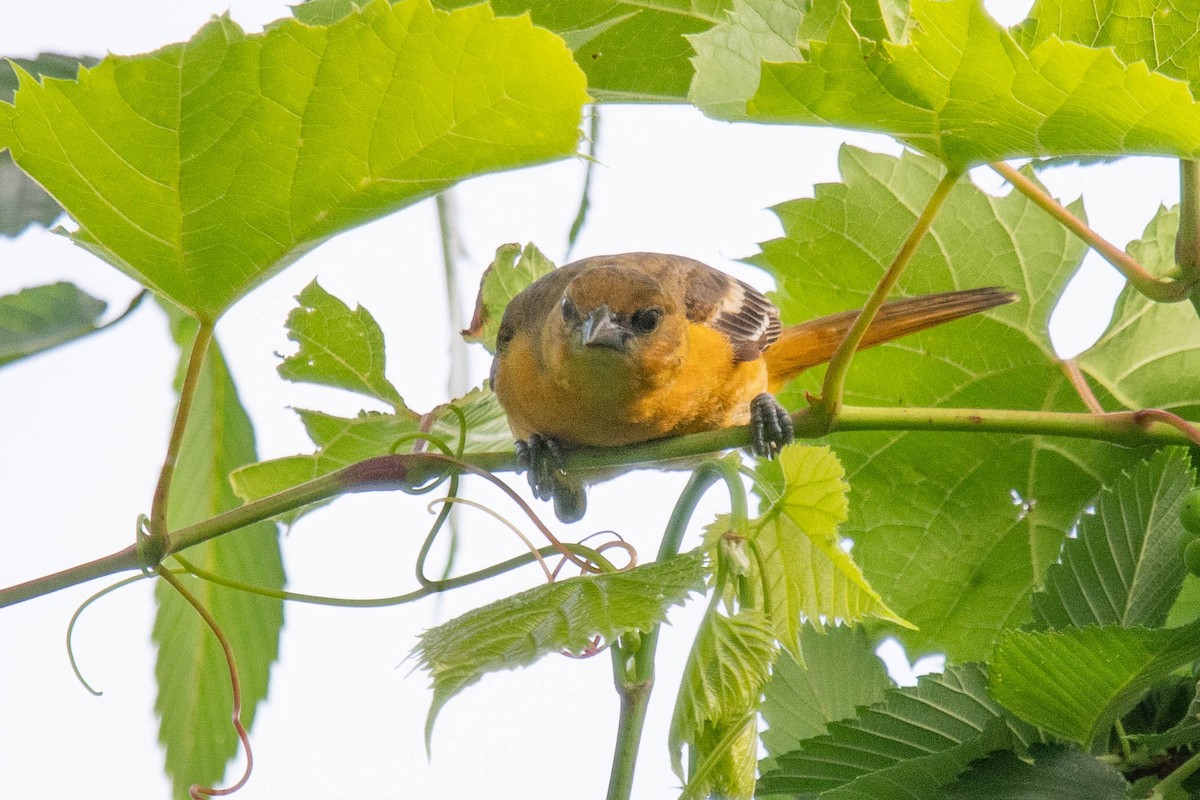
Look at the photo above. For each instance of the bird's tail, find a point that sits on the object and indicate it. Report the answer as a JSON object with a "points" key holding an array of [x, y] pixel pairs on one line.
{"points": [[814, 342]]}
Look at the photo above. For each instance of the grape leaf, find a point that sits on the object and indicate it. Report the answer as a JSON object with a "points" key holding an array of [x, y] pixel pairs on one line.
{"points": [[1056, 681], [1161, 33], [487, 424], [338, 347], [907, 746], [1126, 566], [23, 202], [635, 51], [511, 270], [932, 515], [722, 686], [840, 673], [729, 56], [1134, 361], [555, 617], [194, 698], [202, 169], [631, 52], [1058, 772], [807, 574], [961, 89], [49, 65], [42, 317], [342, 441]]}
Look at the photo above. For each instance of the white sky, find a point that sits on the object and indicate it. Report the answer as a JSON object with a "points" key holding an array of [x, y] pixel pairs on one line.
{"points": [[84, 429]]}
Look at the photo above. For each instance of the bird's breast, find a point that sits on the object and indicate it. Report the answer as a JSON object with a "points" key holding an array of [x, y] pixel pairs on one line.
{"points": [[606, 402]]}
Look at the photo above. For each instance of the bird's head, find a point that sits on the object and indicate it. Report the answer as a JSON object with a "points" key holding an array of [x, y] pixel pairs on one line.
{"points": [[615, 317]]}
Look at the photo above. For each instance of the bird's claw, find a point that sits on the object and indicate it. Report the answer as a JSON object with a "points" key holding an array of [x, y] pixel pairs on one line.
{"points": [[542, 458], [770, 426]]}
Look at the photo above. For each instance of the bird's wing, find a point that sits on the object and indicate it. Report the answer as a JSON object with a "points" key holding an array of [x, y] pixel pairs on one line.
{"points": [[736, 309]]}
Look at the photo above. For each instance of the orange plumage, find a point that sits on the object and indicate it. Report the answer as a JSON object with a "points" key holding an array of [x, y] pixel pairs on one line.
{"points": [[613, 350]]}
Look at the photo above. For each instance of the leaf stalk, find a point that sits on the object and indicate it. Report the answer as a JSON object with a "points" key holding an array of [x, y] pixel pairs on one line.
{"points": [[158, 543], [633, 661], [839, 366], [1161, 290], [410, 470]]}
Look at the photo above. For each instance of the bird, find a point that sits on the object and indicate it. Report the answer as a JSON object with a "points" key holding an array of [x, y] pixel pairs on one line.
{"points": [[618, 349]]}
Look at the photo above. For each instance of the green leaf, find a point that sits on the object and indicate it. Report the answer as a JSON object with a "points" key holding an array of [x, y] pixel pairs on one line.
{"points": [[194, 700], [1187, 605], [1185, 734], [643, 57], [1161, 33], [343, 441], [324, 12], [511, 271], [814, 491], [932, 517], [555, 617], [729, 56], [722, 687], [807, 574], [908, 746], [840, 673], [1058, 772], [487, 425], [1166, 717], [338, 347], [1126, 566], [1058, 681], [36, 319], [23, 202], [633, 51], [204, 168], [340, 442], [962, 89], [1136, 361], [46, 65]]}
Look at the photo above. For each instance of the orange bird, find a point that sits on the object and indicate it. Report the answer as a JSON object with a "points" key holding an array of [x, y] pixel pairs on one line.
{"points": [[613, 350]]}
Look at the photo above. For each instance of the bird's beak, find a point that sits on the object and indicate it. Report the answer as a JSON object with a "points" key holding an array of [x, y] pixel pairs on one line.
{"points": [[601, 329]]}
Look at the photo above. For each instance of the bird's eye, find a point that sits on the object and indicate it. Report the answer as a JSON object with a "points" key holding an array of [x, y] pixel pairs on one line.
{"points": [[569, 312], [645, 320]]}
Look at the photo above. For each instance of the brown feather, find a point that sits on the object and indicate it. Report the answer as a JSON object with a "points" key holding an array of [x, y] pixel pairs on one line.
{"points": [[814, 342]]}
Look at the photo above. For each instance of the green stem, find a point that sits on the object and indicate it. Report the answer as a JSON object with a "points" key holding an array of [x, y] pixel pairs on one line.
{"points": [[120, 561], [1130, 428], [382, 602], [458, 383], [1187, 240], [634, 671], [1123, 741], [406, 471], [235, 682], [158, 541], [839, 365], [1162, 290], [585, 197], [1170, 786]]}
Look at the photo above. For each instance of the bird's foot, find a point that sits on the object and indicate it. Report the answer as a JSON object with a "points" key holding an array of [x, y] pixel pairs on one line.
{"points": [[542, 458], [770, 426]]}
